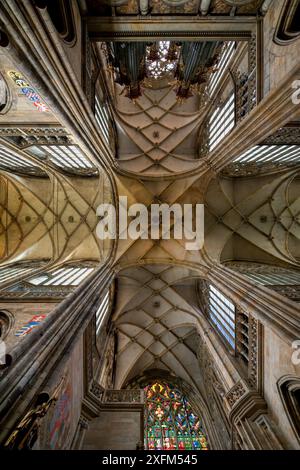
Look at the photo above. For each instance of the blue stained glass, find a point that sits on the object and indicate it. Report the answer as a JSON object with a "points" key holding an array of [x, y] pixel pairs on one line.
{"points": [[170, 422]]}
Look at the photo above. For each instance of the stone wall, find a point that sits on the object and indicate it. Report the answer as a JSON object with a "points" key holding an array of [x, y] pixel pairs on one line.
{"points": [[278, 60], [278, 363], [114, 429], [23, 313], [59, 425]]}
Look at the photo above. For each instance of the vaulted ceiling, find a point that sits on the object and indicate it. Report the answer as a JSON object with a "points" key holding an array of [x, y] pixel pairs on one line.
{"points": [[51, 218], [157, 135], [157, 327], [252, 217]]}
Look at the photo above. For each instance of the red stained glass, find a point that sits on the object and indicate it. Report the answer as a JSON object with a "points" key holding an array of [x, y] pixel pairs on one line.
{"points": [[170, 422]]}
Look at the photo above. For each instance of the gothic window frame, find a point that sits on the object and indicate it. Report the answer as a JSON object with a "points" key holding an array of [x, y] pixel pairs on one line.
{"points": [[103, 113], [66, 157], [221, 122], [51, 282], [11, 272], [13, 161], [226, 57], [102, 117], [102, 311], [5, 90], [173, 428], [219, 316], [279, 154], [247, 345], [6, 323], [65, 275], [287, 386], [68, 32], [283, 35]]}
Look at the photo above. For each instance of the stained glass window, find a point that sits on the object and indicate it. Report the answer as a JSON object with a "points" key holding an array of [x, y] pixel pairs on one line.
{"points": [[27, 90], [170, 422], [161, 59]]}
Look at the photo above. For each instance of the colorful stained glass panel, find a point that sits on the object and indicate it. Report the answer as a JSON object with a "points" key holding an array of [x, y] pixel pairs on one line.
{"points": [[170, 422]]}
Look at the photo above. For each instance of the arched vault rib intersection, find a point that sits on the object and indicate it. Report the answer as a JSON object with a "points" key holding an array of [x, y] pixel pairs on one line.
{"points": [[157, 136], [157, 327]]}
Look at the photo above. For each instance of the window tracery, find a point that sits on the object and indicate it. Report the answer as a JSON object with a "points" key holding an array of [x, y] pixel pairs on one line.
{"points": [[102, 118], [170, 421], [62, 156], [13, 161], [222, 314], [280, 154], [221, 122], [55, 282], [9, 272], [63, 276], [161, 59], [226, 55]]}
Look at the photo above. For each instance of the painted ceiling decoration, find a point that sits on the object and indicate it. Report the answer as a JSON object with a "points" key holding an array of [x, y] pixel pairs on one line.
{"points": [[175, 7]]}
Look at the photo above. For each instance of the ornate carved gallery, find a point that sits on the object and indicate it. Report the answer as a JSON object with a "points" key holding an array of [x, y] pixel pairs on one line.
{"points": [[120, 342]]}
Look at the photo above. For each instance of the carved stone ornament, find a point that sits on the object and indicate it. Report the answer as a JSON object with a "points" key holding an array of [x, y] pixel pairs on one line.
{"points": [[252, 359], [97, 390], [235, 394], [289, 135], [124, 396]]}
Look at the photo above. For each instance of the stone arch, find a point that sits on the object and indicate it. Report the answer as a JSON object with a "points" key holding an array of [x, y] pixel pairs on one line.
{"points": [[288, 30], [5, 96], [61, 14], [6, 323], [193, 395], [289, 391]]}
